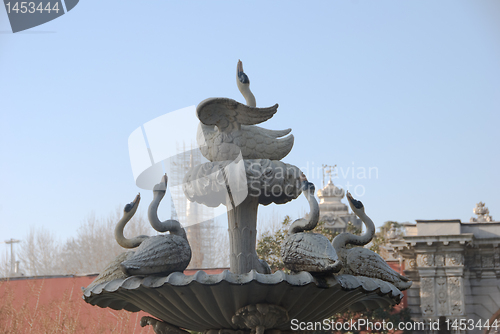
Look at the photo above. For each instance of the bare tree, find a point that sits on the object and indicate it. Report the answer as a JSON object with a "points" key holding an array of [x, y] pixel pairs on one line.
{"points": [[95, 245], [38, 252], [218, 256], [89, 252], [4, 264]]}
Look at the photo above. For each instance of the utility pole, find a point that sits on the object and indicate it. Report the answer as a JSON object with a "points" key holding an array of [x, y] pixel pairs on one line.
{"points": [[12, 256]]}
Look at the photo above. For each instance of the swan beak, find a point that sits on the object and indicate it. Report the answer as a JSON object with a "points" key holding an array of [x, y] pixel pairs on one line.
{"points": [[239, 67], [134, 204], [162, 186], [353, 202], [137, 199]]}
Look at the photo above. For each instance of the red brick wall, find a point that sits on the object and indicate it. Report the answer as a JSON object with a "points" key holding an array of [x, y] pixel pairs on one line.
{"points": [[55, 305]]}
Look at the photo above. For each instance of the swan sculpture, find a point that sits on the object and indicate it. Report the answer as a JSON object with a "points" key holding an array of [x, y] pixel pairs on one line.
{"points": [[159, 254], [228, 128], [361, 261], [308, 251]]}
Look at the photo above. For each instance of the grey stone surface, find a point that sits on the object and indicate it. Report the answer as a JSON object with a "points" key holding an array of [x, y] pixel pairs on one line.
{"points": [[160, 254], [201, 302], [362, 261], [455, 267], [244, 172], [260, 317], [307, 251]]}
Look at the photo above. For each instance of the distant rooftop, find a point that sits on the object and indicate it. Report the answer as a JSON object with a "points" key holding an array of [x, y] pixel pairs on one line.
{"points": [[482, 227]]}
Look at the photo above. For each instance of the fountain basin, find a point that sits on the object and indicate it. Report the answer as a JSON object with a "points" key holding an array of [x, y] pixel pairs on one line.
{"points": [[204, 301]]}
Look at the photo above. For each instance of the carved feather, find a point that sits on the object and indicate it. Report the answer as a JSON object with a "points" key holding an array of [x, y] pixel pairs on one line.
{"points": [[309, 252], [364, 262], [251, 141], [228, 115], [112, 270], [160, 254]]}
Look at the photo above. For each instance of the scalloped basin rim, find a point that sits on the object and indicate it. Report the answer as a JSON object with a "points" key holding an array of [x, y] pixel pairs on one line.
{"points": [[204, 301], [347, 282]]}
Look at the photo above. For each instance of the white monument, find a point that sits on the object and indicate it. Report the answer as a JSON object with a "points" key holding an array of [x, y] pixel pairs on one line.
{"points": [[333, 213]]}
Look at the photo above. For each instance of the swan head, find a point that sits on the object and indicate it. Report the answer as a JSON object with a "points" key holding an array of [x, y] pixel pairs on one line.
{"points": [[356, 206], [244, 85], [131, 207], [307, 187], [162, 186], [242, 77]]}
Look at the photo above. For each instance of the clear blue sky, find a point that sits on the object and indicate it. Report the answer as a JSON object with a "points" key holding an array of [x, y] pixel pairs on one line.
{"points": [[411, 88]]}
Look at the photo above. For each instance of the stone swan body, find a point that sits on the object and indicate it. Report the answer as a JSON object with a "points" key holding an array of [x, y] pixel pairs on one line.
{"points": [[159, 254], [359, 261], [228, 128], [308, 251]]}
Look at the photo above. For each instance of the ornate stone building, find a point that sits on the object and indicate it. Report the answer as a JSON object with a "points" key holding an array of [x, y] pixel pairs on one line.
{"points": [[333, 212], [455, 269]]}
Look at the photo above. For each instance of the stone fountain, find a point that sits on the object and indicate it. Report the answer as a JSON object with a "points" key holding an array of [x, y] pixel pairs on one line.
{"points": [[244, 171]]}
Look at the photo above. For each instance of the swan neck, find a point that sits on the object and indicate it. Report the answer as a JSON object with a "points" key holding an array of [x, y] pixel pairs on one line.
{"points": [[307, 224], [248, 95], [343, 239], [120, 238], [370, 228], [170, 225]]}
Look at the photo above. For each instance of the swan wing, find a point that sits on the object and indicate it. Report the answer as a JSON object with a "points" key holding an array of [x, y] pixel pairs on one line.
{"points": [[364, 262], [228, 115], [160, 254], [112, 270], [258, 143], [310, 252], [266, 132]]}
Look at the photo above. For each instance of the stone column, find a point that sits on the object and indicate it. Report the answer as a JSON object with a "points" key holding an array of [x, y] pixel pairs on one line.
{"points": [[242, 228]]}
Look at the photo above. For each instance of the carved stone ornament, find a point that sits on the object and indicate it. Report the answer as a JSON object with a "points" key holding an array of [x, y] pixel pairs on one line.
{"points": [[454, 259], [456, 295], [487, 262], [439, 260], [427, 296], [260, 317], [410, 264], [161, 327], [226, 331], [271, 181], [425, 260], [482, 213], [442, 295]]}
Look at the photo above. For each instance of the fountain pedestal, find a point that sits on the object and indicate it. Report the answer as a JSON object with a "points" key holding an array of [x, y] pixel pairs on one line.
{"points": [[242, 230], [241, 186]]}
